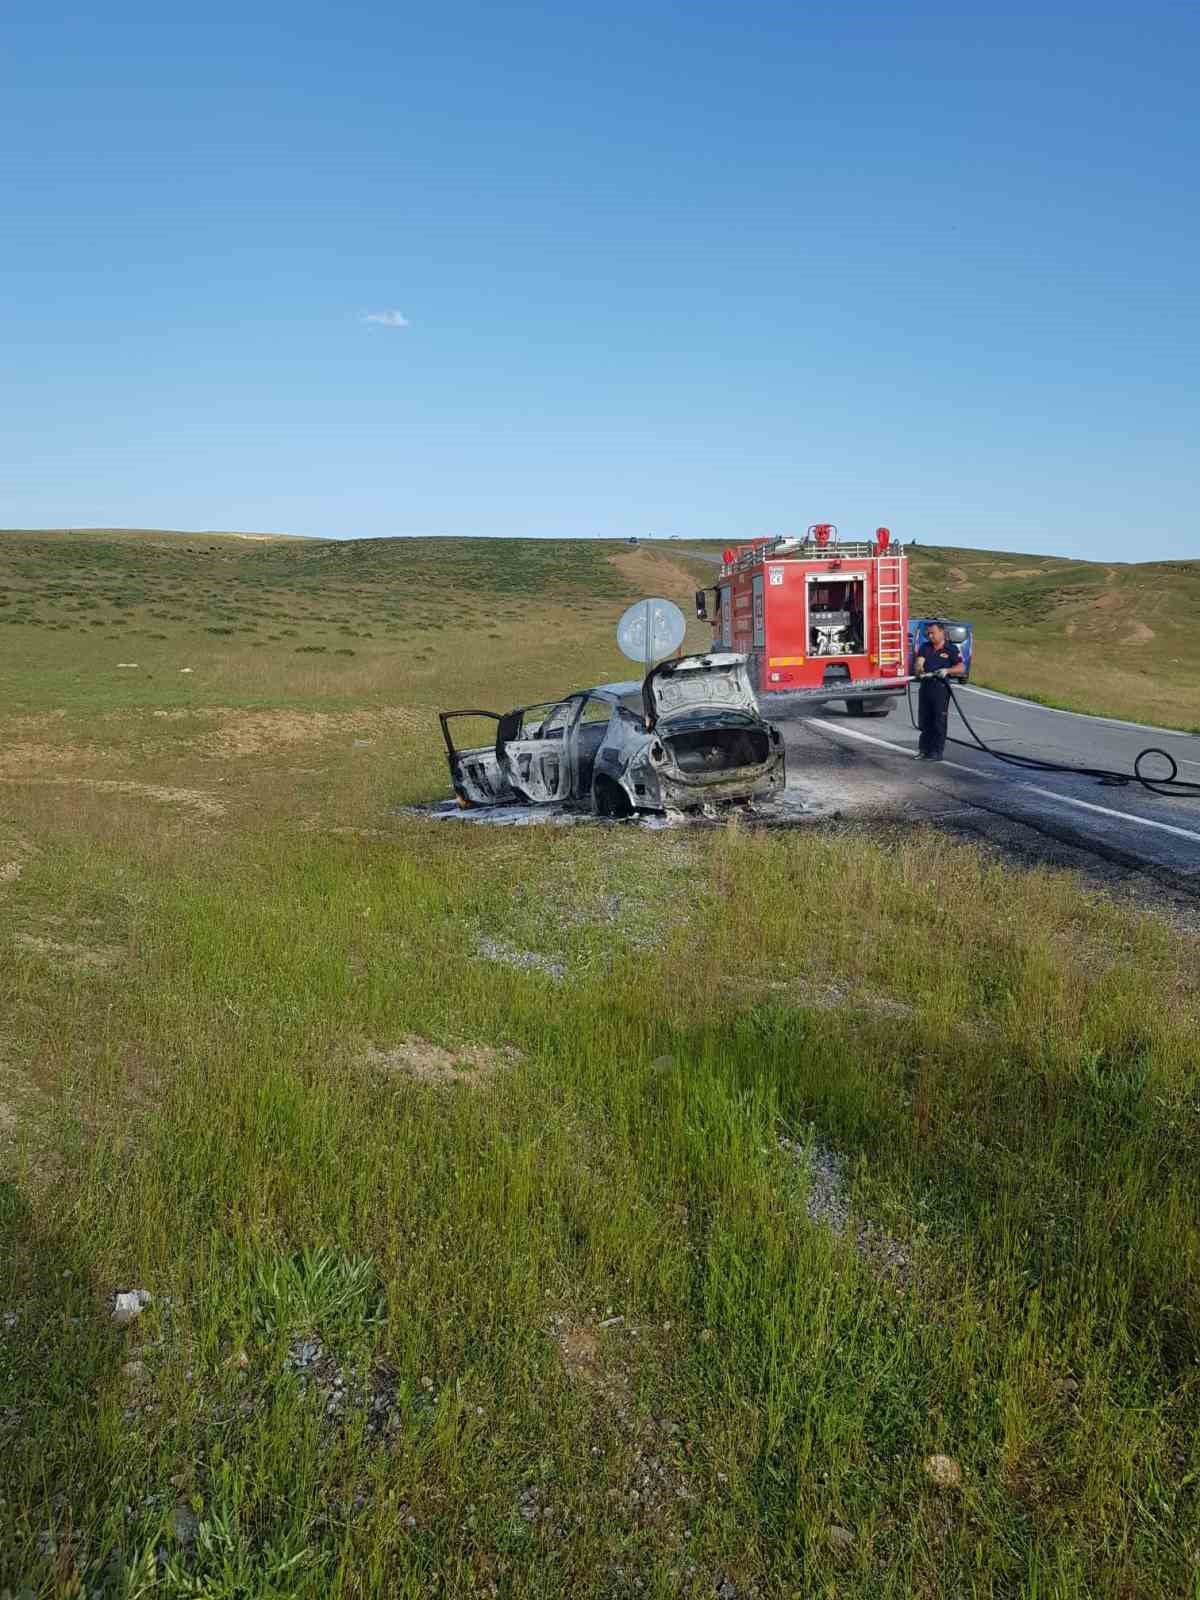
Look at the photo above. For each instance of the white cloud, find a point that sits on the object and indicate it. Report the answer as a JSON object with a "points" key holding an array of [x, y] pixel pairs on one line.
{"points": [[386, 319]]}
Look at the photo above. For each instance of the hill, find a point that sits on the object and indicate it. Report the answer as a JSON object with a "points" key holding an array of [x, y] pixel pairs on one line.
{"points": [[245, 614], [1117, 639]]}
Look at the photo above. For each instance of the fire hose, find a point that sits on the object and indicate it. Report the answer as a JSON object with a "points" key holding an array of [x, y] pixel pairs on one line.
{"points": [[1172, 786]]}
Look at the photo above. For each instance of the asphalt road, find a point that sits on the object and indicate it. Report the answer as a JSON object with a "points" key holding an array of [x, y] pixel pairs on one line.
{"points": [[855, 764]]}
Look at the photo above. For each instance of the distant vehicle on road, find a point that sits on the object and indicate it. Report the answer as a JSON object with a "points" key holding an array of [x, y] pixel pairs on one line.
{"points": [[688, 740], [959, 633]]}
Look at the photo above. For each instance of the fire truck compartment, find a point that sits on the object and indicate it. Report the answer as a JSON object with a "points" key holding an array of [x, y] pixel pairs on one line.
{"points": [[835, 614], [718, 749], [820, 618]]}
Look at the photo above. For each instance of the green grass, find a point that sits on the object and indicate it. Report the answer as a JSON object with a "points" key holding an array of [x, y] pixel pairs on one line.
{"points": [[587, 1337]]}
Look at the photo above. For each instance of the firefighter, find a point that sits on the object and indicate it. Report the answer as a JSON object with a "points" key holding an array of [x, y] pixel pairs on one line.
{"points": [[937, 661]]}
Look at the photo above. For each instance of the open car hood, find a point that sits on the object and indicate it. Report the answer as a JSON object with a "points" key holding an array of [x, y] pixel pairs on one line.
{"points": [[694, 684]]}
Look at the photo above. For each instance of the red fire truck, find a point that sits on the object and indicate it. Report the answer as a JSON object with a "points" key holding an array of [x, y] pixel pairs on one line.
{"points": [[821, 618]]}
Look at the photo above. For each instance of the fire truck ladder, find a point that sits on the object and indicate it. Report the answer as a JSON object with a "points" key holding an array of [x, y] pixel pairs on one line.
{"points": [[891, 631]]}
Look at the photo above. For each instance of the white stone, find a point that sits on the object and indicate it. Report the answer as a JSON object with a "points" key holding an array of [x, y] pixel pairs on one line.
{"points": [[944, 1471], [129, 1303]]}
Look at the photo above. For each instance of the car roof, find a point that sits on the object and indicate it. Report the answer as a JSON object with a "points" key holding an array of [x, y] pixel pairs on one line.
{"points": [[613, 691]]}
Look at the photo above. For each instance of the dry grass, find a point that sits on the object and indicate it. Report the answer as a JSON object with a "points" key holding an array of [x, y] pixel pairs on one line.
{"points": [[426, 1062], [67, 953], [254, 733], [194, 799]]}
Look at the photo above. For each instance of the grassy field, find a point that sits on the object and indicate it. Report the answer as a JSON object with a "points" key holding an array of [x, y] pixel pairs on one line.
{"points": [[545, 1211]]}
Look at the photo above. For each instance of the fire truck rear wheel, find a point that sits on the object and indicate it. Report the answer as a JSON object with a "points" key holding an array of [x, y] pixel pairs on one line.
{"points": [[869, 708]]}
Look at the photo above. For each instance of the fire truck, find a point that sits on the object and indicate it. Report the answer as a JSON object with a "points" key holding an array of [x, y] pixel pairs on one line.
{"points": [[820, 618]]}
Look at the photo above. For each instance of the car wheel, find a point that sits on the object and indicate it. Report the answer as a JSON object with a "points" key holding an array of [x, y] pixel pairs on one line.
{"points": [[610, 800]]}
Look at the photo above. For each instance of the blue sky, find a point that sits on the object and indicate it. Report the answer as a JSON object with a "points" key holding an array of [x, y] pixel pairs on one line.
{"points": [[708, 268]]}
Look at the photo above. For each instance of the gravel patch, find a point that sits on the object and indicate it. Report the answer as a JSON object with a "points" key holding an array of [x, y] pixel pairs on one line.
{"points": [[828, 1206], [653, 1488], [378, 1393], [827, 1202], [523, 960]]}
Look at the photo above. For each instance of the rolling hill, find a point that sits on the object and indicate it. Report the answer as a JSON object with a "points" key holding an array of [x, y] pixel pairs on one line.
{"points": [[1118, 639]]}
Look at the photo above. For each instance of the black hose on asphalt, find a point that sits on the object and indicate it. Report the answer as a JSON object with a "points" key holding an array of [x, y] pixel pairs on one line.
{"points": [[1172, 786]]}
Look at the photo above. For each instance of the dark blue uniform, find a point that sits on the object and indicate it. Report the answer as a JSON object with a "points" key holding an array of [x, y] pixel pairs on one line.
{"points": [[934, 702]]}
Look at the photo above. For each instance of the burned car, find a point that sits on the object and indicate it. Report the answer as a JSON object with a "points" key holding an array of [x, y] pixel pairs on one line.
{"points": [[689, 738]]}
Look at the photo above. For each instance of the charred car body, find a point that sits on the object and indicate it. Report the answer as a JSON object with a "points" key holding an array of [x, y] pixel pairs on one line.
{"points": [[689, 738]]}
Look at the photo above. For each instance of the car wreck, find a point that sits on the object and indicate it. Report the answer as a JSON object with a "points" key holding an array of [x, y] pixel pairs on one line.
{"points": [[687, 740]]}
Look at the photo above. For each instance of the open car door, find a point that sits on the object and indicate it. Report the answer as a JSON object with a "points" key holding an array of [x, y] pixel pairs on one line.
{"points": [[536, 749], [476, 774]]}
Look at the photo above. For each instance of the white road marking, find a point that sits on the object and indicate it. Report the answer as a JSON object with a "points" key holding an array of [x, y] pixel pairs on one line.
{"points": [[885, 744], [1083, 716], [1124, 816]]}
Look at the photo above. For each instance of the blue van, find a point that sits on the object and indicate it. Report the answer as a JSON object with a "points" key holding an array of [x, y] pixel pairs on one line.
{"points": [[959, 633]]}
